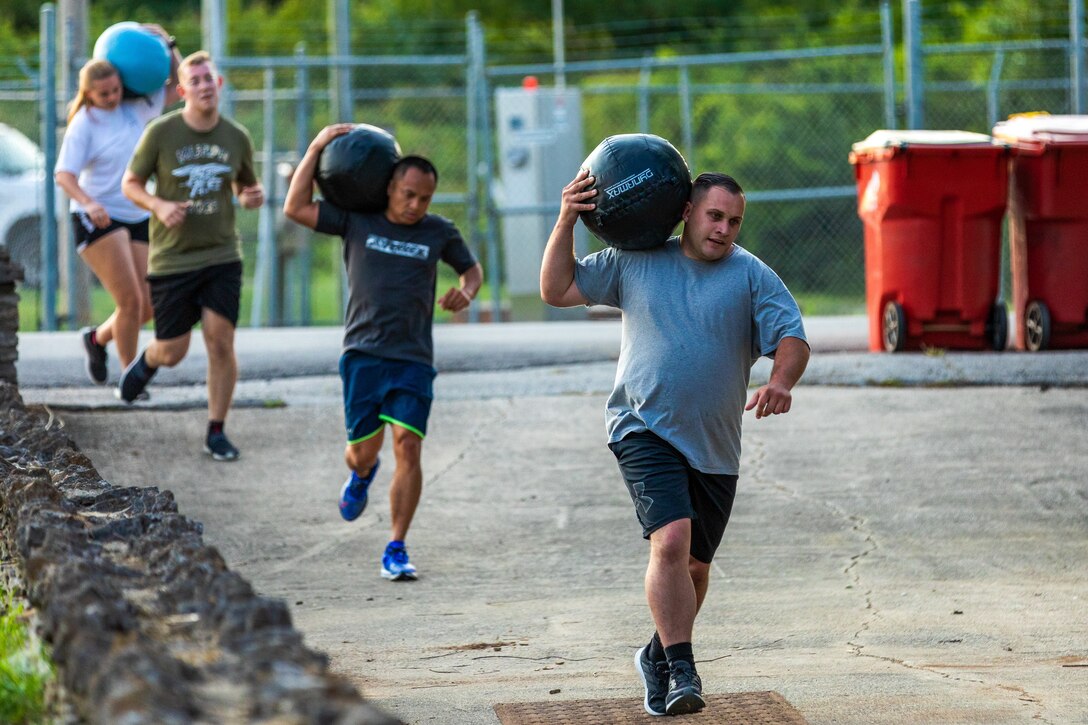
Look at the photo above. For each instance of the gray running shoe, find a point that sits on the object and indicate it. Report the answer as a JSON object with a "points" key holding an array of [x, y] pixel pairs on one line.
{"points": [[96, 357], [655, 679], [220, 448], [135, 378], [685, 690]]}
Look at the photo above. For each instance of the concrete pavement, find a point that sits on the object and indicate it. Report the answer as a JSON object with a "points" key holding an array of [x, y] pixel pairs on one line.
{"points": [[904, 551]]}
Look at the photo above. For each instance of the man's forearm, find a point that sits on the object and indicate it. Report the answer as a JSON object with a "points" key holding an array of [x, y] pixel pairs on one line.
{"points": [[790, 361]]}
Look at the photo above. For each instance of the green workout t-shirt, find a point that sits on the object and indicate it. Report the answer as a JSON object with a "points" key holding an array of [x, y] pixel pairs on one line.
{"points": [[200, 167]]}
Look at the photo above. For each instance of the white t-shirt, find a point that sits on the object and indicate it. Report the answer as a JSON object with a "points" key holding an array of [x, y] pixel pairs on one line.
{"points": [[97, 147]]}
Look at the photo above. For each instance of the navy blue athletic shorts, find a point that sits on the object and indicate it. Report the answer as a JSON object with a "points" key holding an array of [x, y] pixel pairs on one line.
{"points": [[379, 391], [665, 488]]}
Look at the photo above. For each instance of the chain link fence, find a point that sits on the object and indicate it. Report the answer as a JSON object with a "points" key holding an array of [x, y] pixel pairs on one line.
{"points": [[506, 138]]}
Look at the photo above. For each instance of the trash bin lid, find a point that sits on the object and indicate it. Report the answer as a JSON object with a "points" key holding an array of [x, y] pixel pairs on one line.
{"points": [[1043, 127], [919, 137]]}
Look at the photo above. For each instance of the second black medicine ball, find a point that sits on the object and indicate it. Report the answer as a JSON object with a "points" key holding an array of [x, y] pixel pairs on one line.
{"points": [[354, 169], [642, 185]]}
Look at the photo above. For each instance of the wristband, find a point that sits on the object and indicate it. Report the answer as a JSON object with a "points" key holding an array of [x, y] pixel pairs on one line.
{"points": [[466, 295]]}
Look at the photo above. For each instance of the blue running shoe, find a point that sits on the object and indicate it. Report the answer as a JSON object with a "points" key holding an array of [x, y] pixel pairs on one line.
{"points": [[353, 495], [395, 564]]}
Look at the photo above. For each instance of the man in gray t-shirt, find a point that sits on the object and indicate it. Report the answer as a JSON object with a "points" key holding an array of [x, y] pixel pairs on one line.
{"points": [[698, 311], [387, 362]]}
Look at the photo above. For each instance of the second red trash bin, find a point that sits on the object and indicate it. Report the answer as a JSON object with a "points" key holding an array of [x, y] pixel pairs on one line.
{"points": [[1048, 229], [932, 204]]}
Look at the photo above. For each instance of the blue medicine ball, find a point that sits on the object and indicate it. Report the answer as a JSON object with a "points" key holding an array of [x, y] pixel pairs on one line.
{"points": [[139, 55], [642, 185]]}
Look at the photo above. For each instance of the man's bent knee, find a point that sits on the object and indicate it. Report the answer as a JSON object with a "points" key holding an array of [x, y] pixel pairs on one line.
{"points": [[672, 541]]}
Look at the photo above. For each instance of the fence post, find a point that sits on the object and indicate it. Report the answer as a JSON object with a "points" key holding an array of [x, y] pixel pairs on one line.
{"points": [[644, 97], [71, 51], [213, 32], [302, 142], [993, 87], [685, 118], [912, 52], [47, 83], [339, 18], [1076, 60], [887, 39], [486, 171], [265, 276], [473, 71]]}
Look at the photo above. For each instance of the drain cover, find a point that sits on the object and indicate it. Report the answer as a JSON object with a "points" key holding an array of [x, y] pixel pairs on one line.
{"points": [[736, 708]]}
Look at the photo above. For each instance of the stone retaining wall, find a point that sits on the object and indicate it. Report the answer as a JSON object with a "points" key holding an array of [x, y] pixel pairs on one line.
{"points": [[10, 273], [146, 622]]}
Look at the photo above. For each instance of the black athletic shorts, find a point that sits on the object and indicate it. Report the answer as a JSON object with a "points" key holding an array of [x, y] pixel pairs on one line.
{"points": [[665, 488], [179, 299], [85, 232]]}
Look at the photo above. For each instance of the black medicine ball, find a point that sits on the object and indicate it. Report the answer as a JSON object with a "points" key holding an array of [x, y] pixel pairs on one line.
{"points": [[642, 185], [354, 169]]}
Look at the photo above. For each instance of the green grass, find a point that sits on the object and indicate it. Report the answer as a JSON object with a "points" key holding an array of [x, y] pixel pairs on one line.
{"points": [[816, 304], [25, 669], [325, 304]]}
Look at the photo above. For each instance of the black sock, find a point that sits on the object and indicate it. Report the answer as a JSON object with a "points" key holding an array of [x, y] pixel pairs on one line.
{"points": [[680, 651], [145, 365], [656, 652], [215, 426]]}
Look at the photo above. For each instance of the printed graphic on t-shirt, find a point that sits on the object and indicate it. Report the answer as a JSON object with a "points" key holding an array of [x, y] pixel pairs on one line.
{"points": [[204, 174], [393, 246]]}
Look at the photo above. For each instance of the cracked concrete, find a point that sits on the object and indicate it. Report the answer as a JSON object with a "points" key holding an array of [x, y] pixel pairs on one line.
{"points": [[895, 554]]}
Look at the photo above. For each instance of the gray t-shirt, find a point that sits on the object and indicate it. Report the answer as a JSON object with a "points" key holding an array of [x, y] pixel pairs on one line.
{"points": [[392, 271], [691, 332]]}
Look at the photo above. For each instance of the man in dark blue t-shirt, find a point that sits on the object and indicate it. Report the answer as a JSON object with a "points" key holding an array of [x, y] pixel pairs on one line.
{"points": [[387, 361]]}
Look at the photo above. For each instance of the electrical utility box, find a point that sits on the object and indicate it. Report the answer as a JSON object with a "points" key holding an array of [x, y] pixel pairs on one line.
{"points": [[540, 151]]}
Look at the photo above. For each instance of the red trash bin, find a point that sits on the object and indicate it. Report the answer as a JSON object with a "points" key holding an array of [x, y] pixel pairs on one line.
{"points": [[932, 204], [1048, 229]]}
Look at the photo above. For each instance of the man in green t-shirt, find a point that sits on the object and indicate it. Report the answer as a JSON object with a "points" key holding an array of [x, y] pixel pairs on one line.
{"points": [[199, 161]]}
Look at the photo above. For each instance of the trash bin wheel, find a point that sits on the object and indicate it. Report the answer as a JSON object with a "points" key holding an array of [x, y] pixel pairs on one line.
{"points": [[1037, 326], [997, 327], [893, 326]]}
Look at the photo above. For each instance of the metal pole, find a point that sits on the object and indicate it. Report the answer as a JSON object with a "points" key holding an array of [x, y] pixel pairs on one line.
{"points": [[993, 100], [473, 73], [912, 50], [339, 18], [213, 27], [47, 82], [493, 270], [265, 286], [302, 142], [78, 303], [685, 118], [71, 51], [644, 99], [888, 40], [1076, 60], [559, 47]]}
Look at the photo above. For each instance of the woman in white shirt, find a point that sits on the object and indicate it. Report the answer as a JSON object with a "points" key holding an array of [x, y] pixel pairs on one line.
{"points": [[111, 233]]}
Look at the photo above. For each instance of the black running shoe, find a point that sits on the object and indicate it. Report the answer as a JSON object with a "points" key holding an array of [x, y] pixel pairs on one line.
{"points": [[685, 689], [135, 378], [96, 357], [219, 448], [655, 679]]}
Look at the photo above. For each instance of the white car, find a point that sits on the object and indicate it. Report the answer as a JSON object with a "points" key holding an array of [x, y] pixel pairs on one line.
{"points": [[21, 200]]}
